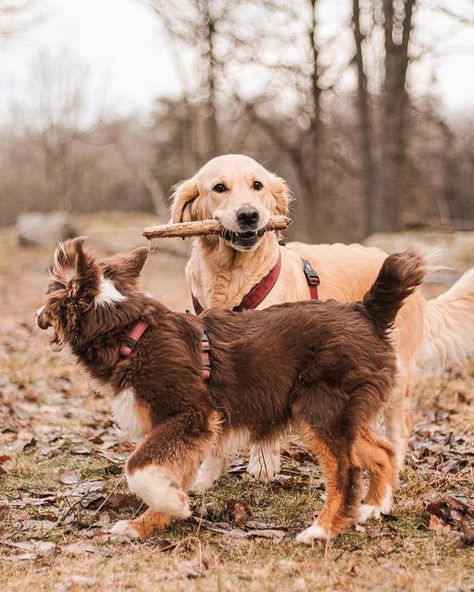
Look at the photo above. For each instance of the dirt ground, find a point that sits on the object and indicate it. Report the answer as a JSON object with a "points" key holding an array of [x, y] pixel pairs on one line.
{"points": [[62, 484]]}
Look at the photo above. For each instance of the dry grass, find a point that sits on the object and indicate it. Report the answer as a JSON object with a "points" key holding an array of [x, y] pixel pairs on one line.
{"points": [[55, 428]]}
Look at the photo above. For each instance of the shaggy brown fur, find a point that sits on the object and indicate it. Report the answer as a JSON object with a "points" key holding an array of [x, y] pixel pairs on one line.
{"points": [[323, 367]]}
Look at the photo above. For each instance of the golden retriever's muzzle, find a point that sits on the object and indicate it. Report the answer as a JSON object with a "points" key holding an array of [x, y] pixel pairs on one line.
{"points": [[243, 240]]}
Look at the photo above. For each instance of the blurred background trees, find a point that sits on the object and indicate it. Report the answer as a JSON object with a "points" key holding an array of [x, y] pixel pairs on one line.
{"points": [[333, 111]]}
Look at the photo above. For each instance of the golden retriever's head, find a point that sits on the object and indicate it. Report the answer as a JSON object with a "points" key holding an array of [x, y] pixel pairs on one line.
{"points": [[238, 192]]}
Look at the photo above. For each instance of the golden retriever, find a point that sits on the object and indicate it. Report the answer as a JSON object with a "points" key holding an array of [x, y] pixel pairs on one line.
{"points": [[242, 195]]}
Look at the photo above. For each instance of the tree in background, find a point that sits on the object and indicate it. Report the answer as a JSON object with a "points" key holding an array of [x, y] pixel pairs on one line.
{"points": [[18, 16], [320, 92]]}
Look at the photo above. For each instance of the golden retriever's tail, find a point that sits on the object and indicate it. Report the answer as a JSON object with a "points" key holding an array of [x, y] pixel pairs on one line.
{"points": [[449, 326], [400, 275]]}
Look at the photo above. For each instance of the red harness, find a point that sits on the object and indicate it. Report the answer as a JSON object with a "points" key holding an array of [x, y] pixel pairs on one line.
{"points": [[261, 290], [137, 333], [133, 338]]}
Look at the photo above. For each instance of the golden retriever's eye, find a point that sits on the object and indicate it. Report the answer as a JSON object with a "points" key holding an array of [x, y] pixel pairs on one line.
{"points": [[257, 185], [219, 188]]}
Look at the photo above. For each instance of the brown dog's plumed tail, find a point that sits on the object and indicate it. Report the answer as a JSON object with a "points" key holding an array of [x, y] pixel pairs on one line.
{"points": [[400, 275]]}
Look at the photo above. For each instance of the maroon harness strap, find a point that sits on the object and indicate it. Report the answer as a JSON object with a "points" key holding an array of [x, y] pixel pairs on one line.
{"points": [[133, 338], [139, 329], [312, 279], [206, 365], [256, 295], [261, 290]]}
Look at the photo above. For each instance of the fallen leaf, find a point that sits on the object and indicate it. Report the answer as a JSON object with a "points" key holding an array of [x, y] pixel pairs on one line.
{"points": [[467, 532], [265, 534], [68, 477], [36, 548], [438, 525], [239, 512], [75, 581]]}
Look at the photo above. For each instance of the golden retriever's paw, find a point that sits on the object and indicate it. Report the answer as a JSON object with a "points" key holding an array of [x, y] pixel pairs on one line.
{"points": [[264, 463], [124, 528], [210, 470], [367, 511], [315, 532], [202, 483]]}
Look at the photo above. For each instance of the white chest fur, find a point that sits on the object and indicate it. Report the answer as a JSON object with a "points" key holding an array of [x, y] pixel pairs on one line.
{"points": [[127, 413]]}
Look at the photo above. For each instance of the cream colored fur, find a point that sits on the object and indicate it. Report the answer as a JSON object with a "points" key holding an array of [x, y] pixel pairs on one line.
{"points": [[220, 276], [449, 325], [127, 414]]}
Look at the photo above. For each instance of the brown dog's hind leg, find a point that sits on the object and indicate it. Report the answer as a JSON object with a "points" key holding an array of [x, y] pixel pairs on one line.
{"points": [[343, 478], [376, 455]]}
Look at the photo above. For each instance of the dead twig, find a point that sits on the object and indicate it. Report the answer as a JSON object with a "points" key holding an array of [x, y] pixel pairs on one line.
{"points": [[205, 227]]}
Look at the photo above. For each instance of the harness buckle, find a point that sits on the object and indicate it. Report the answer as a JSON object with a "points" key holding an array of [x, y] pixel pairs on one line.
{"points": [[311, 276]]}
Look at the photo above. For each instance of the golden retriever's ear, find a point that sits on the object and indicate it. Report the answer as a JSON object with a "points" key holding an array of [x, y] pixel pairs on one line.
{"points": [[282, 194], [183, 196]]}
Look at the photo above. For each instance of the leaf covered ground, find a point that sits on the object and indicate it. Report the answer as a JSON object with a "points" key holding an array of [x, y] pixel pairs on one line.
{"points": [[62, 484]]}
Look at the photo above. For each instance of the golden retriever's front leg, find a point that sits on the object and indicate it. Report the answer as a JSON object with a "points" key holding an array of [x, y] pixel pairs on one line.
{"points": [[212, 468], [264, 462]]}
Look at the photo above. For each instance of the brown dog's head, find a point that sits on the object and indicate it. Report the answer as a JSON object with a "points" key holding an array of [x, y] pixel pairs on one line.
{"points": [[238, 192], [86, 297]]}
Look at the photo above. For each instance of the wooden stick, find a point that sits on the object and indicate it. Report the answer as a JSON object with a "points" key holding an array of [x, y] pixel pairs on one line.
{"points": [[203, 227]]}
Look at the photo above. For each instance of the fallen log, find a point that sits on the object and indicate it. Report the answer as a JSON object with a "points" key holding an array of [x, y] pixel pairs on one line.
{"points": [[205, 227]]}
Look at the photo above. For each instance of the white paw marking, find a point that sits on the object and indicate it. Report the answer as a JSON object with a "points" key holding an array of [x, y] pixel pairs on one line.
{"points": [[264, 462], [314, 532], [367, 511], [154, 486], [108, 294], [123, 528]]}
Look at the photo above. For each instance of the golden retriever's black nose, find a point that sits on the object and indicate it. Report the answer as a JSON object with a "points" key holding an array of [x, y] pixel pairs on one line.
{"points": [[247, 218]]}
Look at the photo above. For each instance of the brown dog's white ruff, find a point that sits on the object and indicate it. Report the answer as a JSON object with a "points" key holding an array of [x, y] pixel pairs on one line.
{"points": [[220, 273]]}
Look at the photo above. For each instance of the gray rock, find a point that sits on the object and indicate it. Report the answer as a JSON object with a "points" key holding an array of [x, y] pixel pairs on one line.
{"points": [[44, 229]]}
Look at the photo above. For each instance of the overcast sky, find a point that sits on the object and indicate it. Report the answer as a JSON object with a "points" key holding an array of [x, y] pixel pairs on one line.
{"points": [[129, 65]]}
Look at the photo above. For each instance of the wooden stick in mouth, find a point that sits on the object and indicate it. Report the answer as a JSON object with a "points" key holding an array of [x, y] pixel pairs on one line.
{"points": [[205, 227]]}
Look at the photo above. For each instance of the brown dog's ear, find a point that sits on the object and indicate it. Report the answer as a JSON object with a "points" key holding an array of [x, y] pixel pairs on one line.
{"points": [[75, 267], [66, 258], [132, 263], [83, 261], [183, 196], [282, 194], [128, 265], [86, 276]]}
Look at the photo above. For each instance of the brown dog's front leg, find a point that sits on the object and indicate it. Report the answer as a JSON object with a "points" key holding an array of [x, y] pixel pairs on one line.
{"points": [[143, 526], [161, 470]]}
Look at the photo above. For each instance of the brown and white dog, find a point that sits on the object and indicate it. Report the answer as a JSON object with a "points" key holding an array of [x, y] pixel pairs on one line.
{"points": [[243, 195], [324, 368]]}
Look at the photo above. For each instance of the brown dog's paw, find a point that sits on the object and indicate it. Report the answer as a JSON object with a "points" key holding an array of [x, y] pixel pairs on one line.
{"points": [[316, 532], [125, 529]]}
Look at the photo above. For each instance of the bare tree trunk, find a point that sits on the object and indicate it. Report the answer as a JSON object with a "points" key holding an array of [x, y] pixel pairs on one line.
{"points": [[365, 125], [394, 186], [314, 211], [211, 115]]}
